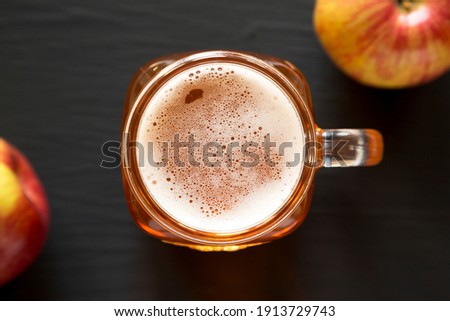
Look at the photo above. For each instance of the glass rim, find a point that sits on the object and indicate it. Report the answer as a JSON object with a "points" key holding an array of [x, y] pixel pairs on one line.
{"points": [[133, 177]]}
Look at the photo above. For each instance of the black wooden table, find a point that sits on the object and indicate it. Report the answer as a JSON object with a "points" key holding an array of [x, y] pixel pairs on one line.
{"points": [[372, 233]]}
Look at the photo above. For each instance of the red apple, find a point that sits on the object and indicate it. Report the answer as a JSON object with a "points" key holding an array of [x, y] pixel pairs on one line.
{"points": [[386, 43], [24, 213]]}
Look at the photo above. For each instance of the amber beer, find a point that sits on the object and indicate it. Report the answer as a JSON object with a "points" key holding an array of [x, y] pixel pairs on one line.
{"points": [[219, 159], [223, 107]]}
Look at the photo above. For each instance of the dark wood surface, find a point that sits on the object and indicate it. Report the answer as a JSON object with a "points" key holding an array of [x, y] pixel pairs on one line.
{"points": [[372, 233]]}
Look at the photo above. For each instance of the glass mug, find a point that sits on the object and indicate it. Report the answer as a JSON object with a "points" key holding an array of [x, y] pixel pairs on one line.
{"points": [[219, 99]]}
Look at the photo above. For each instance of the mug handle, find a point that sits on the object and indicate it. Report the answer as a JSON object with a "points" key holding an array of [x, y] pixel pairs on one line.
{"points": [[351, 147]]}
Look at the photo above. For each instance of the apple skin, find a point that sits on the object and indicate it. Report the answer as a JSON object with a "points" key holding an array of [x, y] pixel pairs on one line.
{"points": [[386, 43], [24, 213]]}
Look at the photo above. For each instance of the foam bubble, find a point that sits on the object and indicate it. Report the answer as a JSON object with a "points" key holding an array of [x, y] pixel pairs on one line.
{"points": [[221, 104]]}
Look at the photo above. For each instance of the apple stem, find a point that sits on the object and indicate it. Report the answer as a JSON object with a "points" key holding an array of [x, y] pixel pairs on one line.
{"points": [[406, 5]]}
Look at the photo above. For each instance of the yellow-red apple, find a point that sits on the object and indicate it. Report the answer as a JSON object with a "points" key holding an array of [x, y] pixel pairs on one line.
{"points": [[24, 213], [386, 43]]}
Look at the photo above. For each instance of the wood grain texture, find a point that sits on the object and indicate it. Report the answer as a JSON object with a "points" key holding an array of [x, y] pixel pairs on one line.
{"points": [[372, 233]]}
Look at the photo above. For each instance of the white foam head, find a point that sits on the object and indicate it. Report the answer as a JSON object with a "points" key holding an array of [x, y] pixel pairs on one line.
{"points": [[223, 103]]}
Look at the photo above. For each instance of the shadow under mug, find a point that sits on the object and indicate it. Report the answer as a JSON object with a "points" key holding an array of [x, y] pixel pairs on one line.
{"points": [[323, 148]]}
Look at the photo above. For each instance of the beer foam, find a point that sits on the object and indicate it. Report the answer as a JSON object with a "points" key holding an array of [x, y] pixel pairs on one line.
{"points": [[220, 104]]}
